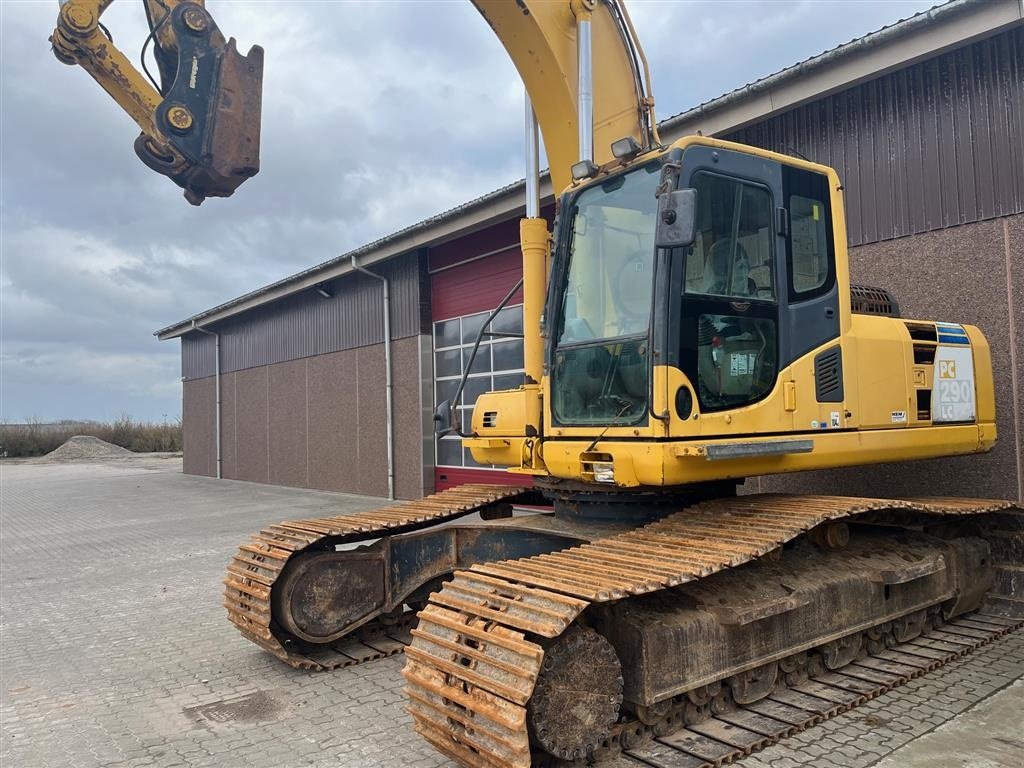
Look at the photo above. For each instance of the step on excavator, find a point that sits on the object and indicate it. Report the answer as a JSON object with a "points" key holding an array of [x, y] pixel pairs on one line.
{"points": [[689, 322]]}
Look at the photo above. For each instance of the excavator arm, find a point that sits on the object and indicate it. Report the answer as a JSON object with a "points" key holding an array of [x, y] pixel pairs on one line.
{"points": [[201, 127]]}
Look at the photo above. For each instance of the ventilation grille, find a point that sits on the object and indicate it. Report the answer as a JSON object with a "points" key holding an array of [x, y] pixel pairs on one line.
{"points": [[924, 354], [924, 405], [490, 419], [922, 331], [865, 300], [828, 376]]}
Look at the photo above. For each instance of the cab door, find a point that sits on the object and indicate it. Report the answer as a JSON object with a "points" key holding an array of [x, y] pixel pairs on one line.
{"points": [[728, 283], [811, 289]]}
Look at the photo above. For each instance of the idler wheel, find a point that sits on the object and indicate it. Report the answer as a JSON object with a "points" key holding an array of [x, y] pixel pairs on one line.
{"points": [[321, 594], [577, 697]]}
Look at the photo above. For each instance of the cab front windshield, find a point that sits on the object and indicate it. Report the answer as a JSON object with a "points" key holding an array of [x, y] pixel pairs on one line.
{"points": [[601, 360]]}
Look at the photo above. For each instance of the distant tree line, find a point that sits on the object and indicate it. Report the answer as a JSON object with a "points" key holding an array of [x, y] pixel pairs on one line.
{"points": [[37, 438]]}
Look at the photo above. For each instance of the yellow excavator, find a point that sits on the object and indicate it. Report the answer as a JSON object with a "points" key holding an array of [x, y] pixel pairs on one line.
{"points": [[689, 322]]}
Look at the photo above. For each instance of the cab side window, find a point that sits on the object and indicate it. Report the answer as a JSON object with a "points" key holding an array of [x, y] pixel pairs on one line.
{"points": [[732, 255], [810, 247], [808, 243]]}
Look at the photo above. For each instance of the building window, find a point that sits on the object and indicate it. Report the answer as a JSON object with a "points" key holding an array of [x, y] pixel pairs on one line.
{"points": [[498, 365]]}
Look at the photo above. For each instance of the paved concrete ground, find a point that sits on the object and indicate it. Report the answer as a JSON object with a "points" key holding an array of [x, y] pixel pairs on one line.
{"points": [[116, 652]]}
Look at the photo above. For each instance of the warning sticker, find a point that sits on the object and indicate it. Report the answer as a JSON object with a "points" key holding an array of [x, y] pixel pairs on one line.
{"points": [[741, 363], [953, 388]]}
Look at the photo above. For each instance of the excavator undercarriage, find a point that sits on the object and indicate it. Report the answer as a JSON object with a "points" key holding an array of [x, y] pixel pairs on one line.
{"points": [[703, 635], [292, 593]]}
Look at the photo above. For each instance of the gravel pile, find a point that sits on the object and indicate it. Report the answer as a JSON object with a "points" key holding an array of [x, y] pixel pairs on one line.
{"points": [[87, 447]]}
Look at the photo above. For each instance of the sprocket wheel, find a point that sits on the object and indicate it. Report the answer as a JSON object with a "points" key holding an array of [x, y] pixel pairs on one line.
{"points": [[578, 694]]}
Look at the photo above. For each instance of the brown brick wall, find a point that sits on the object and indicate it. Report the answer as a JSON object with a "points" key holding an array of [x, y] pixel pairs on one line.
{"points": [[229, 446], [956, 275], [287, 424], [250, 432], [333, 422], [408, 418], [198, 437], [317, 422]]}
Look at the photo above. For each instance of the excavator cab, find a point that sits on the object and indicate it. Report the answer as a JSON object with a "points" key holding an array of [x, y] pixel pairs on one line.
{"points": [[700, 326], [705, 302]]}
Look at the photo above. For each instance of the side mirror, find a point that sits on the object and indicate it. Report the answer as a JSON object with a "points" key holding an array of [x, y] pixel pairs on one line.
{"points": [[443, 418], [677, 219]]}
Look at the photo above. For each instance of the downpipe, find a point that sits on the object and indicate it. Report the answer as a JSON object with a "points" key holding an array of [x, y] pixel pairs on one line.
{"points": [[216, 379], [388, 384]]}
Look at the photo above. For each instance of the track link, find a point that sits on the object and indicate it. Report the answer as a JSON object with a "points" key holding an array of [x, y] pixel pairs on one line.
{"points": [[479, 646], [739, 731], [259, 562]]}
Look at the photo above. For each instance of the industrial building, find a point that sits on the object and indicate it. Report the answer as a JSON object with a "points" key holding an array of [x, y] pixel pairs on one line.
{"points": [[924, 122]]}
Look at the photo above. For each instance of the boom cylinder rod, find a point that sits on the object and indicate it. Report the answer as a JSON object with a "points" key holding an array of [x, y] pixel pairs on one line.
{"points": [[585, 103], [533, 239], [532, 163]]}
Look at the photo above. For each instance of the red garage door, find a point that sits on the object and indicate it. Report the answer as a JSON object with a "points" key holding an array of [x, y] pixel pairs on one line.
{"points": [[468, 277]]}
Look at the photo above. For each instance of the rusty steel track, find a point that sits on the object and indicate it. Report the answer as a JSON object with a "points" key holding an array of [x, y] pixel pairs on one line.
{"points": [[258, 564], [731, 735], [478, 649]]}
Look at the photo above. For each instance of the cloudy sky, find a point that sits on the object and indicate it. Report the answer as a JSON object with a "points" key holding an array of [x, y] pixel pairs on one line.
{"points": [[98, 252]]}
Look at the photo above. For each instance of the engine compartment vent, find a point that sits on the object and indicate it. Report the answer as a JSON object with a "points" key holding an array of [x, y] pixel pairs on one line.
{"points": [[490, 419], [922, 331], [828, 375], [924, 354], [867, 300], [924, 405]]}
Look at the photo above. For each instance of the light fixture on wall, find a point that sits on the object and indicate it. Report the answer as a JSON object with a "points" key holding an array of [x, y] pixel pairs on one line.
{"points": [[323, 290]]}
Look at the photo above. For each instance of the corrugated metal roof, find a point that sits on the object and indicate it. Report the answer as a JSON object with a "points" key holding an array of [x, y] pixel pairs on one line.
{"points": [[300, 326], [888, 34], [930, 146]]}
